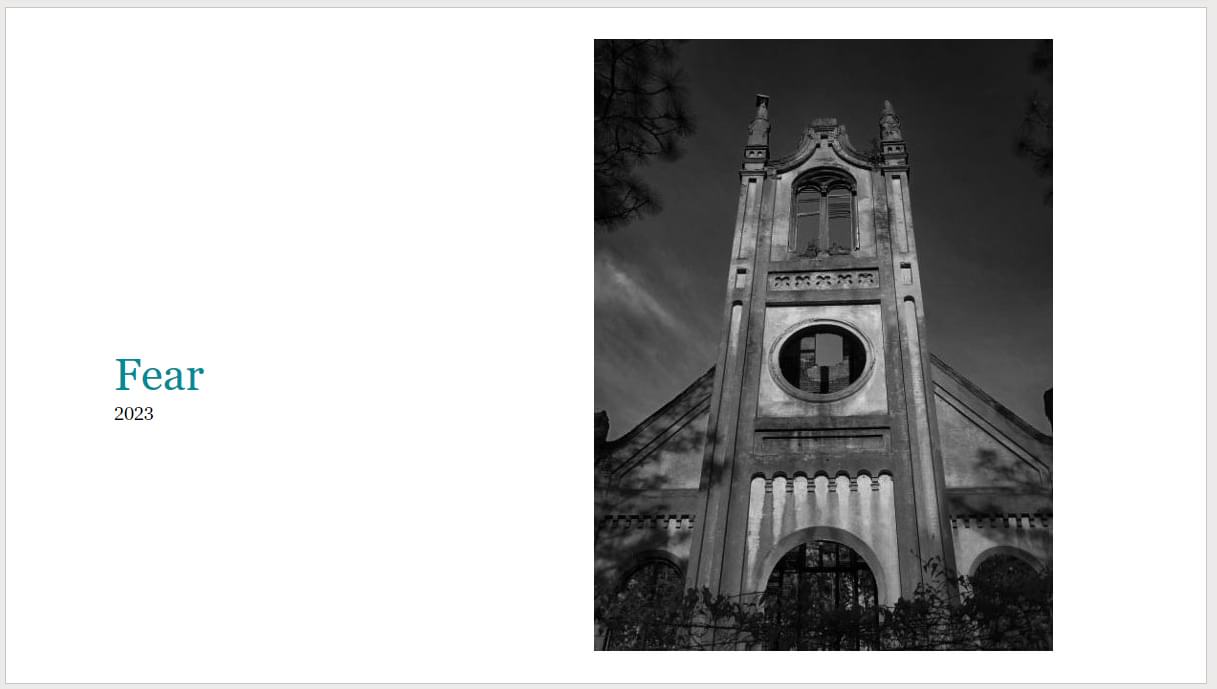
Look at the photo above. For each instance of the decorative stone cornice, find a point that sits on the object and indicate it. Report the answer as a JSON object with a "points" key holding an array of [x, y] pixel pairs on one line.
{"points": [[668, 522], [817, 135], [822, 481], [1001, 521]]}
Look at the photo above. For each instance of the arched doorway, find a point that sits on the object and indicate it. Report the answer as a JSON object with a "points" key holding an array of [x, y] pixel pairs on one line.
{"points": [[646, 616], [821, 596]]}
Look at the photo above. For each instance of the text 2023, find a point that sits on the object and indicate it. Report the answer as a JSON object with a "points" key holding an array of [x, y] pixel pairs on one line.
{"points": [[133, 413]]}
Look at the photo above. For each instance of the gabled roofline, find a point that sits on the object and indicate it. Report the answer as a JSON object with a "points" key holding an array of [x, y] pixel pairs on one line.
{"points": [[637, 435], [988, 399]]}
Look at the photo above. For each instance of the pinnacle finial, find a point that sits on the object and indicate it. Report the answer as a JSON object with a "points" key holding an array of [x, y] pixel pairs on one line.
{"points": [[889, 123], [758, 131]]}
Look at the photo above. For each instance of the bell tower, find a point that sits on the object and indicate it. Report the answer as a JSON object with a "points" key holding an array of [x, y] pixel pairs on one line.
{"points": [[821, 425]]}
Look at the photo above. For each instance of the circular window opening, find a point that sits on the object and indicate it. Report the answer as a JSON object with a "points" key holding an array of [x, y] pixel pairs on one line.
{"points": [[822, 359]]}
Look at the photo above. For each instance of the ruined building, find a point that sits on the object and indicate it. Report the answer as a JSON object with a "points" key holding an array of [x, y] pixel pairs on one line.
{"points": [[827, 440]]}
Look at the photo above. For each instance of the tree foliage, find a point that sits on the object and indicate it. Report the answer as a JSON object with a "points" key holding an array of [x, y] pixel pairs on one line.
{"points": [[1035, 133], [641, 114], [1000, 608]]}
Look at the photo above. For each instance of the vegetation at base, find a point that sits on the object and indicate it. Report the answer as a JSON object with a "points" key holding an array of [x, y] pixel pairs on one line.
{"points": [[1005, 606]]}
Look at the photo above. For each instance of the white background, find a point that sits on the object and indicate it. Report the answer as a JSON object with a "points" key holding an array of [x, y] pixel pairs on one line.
{"points": [[372, 228]]}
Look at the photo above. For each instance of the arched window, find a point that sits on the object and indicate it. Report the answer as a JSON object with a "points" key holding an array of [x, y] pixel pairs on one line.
{"points": [[821, 596], [807, 221], [1011, 601], [1005, 578], [647, 616], [1003, 567], [824, 217], [839, 212]]}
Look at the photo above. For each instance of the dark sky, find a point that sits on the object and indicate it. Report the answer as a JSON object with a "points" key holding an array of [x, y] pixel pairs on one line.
{"points": [[984, 233]]}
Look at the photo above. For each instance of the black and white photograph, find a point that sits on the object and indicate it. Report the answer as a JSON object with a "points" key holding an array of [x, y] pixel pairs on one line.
{"points": [[823, 345]]}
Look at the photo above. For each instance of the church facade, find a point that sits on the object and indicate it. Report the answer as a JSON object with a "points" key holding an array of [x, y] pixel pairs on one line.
{"points": [[826, 422]]}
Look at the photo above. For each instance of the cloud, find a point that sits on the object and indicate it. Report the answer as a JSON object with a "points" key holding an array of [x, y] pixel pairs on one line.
{"points": [[648, 347], [618, 290]]}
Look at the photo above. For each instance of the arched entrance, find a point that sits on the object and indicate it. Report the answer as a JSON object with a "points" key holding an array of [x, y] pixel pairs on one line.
{"points": [[821, 596]]}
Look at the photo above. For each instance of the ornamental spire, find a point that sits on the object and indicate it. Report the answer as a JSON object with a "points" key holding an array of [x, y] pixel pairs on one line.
{"points": [[893, 152], [758, 131], [889, 124], [756, 153]]}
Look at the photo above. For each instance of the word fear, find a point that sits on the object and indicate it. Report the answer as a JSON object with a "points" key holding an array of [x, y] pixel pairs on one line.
{"points": [[152, 377]]}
